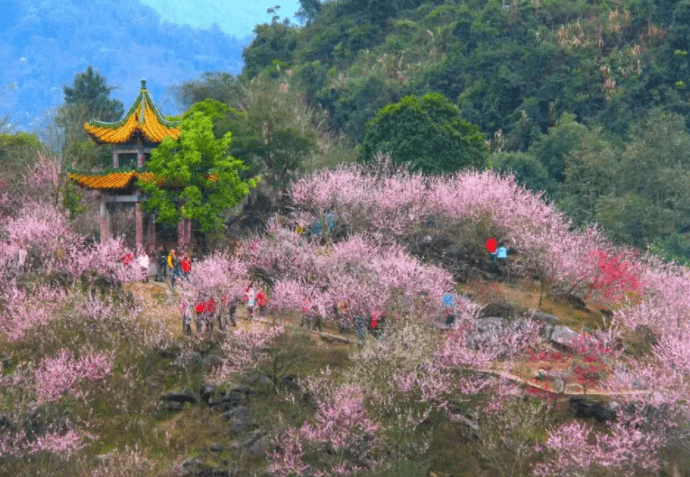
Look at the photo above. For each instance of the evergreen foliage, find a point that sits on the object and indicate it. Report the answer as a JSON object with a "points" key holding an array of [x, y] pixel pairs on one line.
{"points": [[596, 94], [90, 89], [200, 180], [427, 134]]}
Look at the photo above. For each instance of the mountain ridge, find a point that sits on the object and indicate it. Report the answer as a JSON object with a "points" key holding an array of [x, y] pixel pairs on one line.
{"points": [[46, 44]]}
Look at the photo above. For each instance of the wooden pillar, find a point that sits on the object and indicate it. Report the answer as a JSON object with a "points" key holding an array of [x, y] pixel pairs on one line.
{"points": [[108, 221], [103, 218], [139, 219], [180, 234], [188, 232], [152, 230], [140, 152], [116, 157]]}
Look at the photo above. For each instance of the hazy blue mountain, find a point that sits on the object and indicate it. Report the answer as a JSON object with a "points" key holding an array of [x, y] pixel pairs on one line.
{"points": [[44, 43], [235, 17]]}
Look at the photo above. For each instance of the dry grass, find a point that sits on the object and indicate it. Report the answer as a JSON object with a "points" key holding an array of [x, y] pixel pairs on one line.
{"points": [[525, 295]]}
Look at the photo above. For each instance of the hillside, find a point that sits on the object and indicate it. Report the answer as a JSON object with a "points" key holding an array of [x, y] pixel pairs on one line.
{"points": [[585, 101], [569, 357], [515, 67]]}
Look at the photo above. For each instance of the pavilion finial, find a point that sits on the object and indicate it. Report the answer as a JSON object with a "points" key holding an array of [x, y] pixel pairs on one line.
{"points": [[143, 83]]}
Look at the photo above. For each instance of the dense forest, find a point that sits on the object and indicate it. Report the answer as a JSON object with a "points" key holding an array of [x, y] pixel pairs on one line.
{"points": [[586, 101]]}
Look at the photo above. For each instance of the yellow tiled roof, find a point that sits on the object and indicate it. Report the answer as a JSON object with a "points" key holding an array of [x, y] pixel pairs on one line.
{"points": [[118, 180], [114, 180], [142, 116]]}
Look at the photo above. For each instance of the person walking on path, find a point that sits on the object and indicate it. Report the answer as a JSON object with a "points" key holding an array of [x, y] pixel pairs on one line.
{"points": [[250, 299], [175, 265], [171, 259], [261, 302], [361, 328], [161, 265], [186, 266], [502, 252], [144, 263]]}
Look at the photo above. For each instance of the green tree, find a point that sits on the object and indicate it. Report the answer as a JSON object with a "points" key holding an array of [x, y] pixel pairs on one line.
{"points": [[656, 162], [634, 219], [308, 10], [590, 173], [199, 180], [86, 99], [673, 248], [427, 134], [560, 140], [274, 41], [18, 152], [91, 90], [528, 172], [220, 86], [274, 134]]}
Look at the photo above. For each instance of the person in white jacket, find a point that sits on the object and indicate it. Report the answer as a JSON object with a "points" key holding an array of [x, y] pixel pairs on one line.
{"points": [[144, 264]]}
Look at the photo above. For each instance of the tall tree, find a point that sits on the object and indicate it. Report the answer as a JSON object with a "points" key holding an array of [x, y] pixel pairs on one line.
{"points": [[274, 133], [91, 90], [427, 134], [219, 86], [86, 99], [308, 10], [198, 179]]}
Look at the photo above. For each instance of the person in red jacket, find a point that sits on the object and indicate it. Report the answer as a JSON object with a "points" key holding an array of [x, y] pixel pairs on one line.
{"points": [[186, 266], [261, 302]]}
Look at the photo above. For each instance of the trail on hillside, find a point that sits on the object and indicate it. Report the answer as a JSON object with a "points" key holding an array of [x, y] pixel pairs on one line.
{"points": [[160, 306]]}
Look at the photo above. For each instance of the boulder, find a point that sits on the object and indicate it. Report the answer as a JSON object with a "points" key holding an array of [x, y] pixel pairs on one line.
{"points": [[207, 391], [171, 406], [544, 317], [563, 336], [240, 419], [210, 361], [518, 325], [216, 447], [104, 458], [181, 397], [486, 329], [257, 444], [499, 308], [192, 466], [590, 410], [229, 401]]}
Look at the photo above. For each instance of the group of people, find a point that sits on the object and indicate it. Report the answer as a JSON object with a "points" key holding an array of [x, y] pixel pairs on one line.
{"points": [[179, 267], [207, 310], [254, 297]]}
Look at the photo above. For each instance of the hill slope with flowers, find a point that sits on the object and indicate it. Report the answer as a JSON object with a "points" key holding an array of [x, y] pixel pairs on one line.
{"points": [[95, 380]]}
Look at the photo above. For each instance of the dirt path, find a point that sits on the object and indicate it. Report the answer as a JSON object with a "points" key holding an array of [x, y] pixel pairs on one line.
{"points": [[160, 306]]}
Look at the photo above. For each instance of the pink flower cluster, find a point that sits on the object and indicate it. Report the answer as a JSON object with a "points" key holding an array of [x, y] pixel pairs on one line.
{"points": [[215, 276], [397, 203], [61, 374], [64, 442], [25, 310], [365, 275], [341, 424], [245, 349], [624, 448], [41, 228]]}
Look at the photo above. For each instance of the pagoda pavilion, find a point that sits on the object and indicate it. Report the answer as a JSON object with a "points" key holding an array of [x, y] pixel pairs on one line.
{"points": [[141, 129]]}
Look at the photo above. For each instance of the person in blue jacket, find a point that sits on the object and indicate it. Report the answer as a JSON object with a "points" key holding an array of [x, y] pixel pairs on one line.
{"points": [[502, 252]]}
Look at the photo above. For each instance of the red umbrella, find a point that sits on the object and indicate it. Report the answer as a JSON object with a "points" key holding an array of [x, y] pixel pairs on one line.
{"points": [[491, 245]]}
